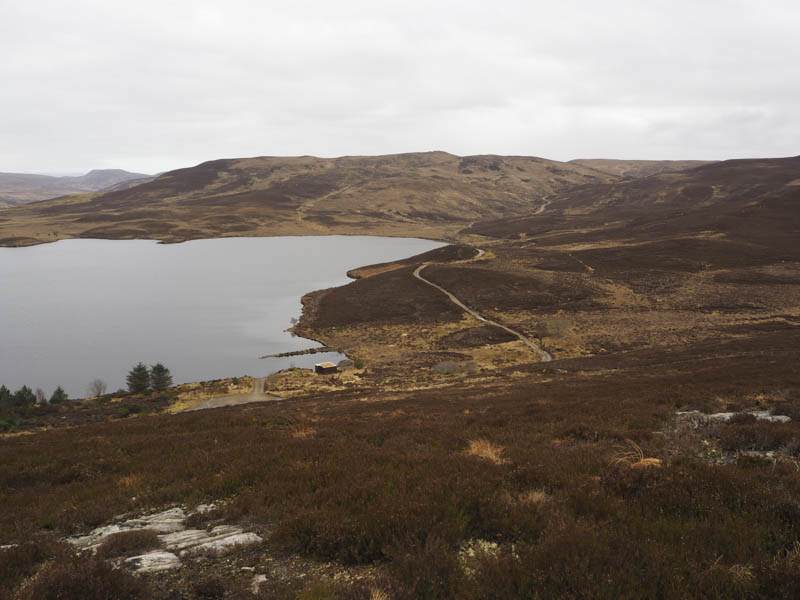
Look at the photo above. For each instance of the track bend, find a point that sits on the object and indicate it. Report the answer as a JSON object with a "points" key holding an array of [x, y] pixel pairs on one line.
{"points": [[543, 355]]}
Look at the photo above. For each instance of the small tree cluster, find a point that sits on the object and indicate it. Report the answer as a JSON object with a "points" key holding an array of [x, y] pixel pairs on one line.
{"points": [[141, 379], [25, 397]]}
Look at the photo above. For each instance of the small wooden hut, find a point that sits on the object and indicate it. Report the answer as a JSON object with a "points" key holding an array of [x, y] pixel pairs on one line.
{"points": [[325, 368]]}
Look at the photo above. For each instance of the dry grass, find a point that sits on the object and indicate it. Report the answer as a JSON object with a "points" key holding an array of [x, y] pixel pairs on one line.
{"points": [[483, 448], [534, 497], [378, 594], [634, 457], [303, 432], [129, 481]]}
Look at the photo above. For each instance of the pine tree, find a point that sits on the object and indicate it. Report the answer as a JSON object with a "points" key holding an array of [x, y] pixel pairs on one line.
{"points": [[160, 377], [24, 396], [58, 396], [6, 396], [138, 379]]}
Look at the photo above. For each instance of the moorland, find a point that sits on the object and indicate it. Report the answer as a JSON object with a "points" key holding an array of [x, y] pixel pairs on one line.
{"points": [[657, 455]]}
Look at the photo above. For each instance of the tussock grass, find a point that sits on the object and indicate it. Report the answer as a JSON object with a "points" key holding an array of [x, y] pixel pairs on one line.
{"points": [[378, 594], [534, 497], [634, 457], [302, 432], [483, 448]]}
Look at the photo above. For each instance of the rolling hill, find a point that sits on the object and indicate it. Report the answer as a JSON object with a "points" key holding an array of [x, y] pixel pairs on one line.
{"points": [[753, 203], [22, 188], [423, 194]]}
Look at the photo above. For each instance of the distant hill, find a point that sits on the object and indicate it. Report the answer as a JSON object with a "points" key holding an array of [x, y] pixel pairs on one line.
{"points": [[638, 168], [22, 188], [431, 193], [127, 184], [738, 207]]}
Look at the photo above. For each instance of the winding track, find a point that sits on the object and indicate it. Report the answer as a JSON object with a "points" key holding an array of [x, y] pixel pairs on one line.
{"points": [[544, 356]]}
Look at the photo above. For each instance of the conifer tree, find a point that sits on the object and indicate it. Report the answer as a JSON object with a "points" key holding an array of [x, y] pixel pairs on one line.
{"points": [[160, 377], [138, 379], [59, 396], [24, 396], [5, 396]]}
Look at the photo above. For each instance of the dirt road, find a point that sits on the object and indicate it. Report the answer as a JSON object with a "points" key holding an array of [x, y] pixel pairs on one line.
{"points": [[543, 355], [258, 395]]}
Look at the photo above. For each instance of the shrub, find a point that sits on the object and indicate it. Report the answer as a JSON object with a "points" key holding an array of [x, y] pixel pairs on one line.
{"points": [[212, 587], [129, 543], [84, 578], [358, 363], [200, 520], [446, 367], [425, 571], [320, 591], [129, 409], [746, 434], [23, 560], [556, 327]]}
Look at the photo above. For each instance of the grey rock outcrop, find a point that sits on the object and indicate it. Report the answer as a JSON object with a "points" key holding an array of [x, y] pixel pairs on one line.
{"points": [[178, 540], [151, 562]]}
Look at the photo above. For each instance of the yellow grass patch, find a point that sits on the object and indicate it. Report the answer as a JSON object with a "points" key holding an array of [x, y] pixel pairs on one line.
{"points": [[303, 432], [634, 457], [129, 481], [378, 594], [534, 497], [483, 448]]}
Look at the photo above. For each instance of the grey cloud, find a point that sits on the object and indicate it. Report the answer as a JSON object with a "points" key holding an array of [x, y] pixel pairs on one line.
{"points": [[150, 86]]}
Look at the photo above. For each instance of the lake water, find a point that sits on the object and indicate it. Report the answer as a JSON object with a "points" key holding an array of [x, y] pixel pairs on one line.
{"points": [[76, 310]]}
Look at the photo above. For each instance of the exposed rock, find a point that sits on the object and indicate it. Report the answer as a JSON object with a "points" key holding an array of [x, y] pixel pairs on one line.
{"points": [[220, 539], [257, 581], [227, 543], [696, 417], [761, 415], [157, 560], [171, 526], [164, 522]]}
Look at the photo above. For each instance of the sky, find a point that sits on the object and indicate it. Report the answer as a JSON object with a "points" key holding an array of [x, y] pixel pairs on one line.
{"points": [[152, 86]]}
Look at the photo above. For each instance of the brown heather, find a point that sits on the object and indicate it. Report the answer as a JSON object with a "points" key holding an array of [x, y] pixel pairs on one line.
{"points": [[400, 490], [570, 479]]}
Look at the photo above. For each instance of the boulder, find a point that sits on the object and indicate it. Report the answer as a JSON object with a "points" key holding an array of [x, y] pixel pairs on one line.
{"points": [[151, 562]]}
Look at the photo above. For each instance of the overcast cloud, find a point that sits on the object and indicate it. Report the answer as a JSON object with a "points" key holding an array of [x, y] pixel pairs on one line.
{"points": [[150, 86]]}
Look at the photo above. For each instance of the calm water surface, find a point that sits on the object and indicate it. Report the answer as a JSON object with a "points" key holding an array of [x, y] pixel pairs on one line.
{"points": [[76, 310]]}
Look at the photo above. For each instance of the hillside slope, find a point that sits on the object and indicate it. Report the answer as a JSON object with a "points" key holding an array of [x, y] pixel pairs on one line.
{"points": [[753, 203], [22, 188], [632, 169], [433, 194]]}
